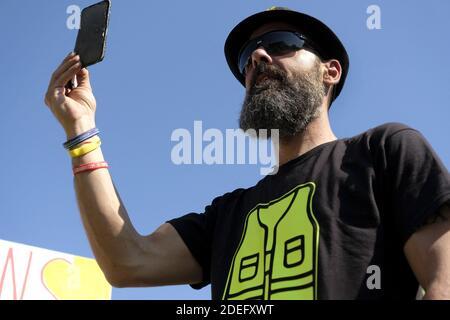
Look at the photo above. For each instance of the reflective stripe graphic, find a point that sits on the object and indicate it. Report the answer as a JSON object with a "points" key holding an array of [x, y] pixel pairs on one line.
{"points": [[278, 252]]}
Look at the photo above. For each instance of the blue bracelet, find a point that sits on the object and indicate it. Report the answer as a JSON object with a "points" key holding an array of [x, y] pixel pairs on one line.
{"points": [[70, 144]]}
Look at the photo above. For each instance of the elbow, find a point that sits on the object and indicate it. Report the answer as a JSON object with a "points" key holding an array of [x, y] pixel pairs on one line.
{"points": [[117, 279], [115, 274], [125, 270], [117, 283], [437, 293], [123, 276]]}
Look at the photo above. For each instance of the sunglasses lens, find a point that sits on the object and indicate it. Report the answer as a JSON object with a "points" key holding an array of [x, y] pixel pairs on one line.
{"points": [[283, 44], [275, 43], [245, 55]]}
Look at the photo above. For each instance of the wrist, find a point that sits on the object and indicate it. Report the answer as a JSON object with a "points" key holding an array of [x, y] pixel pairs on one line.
{"points": [[78, 128]]}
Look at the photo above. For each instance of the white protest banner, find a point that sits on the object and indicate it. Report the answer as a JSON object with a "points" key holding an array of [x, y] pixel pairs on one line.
{"points": [[29, 273]]}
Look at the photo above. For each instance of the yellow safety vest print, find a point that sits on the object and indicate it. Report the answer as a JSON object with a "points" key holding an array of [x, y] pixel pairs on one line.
{"points": [[278, 252]]}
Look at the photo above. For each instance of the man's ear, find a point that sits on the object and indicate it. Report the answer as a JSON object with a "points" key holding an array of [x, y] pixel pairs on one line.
{"points": [[332, 73]]}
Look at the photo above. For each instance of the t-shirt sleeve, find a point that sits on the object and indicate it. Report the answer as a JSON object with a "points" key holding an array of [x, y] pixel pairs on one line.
{"points": [[196, 230], [419, 183]]}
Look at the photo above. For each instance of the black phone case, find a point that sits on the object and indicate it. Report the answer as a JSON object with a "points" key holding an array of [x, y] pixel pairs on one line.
{"points": [[91, 38]]}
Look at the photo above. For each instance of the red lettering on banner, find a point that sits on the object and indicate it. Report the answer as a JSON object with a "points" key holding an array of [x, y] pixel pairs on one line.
{"points": [[10, 260]]}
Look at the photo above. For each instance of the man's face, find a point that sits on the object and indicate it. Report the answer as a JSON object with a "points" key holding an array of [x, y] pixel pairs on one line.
{"points": [[282, 92]]}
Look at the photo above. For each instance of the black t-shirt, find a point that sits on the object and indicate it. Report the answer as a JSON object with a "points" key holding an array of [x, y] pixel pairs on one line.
{"points": [[331, 224]]}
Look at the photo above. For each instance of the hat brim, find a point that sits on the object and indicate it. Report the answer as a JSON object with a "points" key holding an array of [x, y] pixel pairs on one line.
{"points": [[330, 45]]}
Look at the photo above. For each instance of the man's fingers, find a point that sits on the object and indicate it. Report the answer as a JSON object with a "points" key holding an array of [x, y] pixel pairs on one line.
{"points": [[68, 62], [52, 95], [67, 75], [56, 86], [71, 54], [83, 78], [64, 66]]}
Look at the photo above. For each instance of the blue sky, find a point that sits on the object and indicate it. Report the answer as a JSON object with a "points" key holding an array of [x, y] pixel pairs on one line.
{"points": [[164, 68]]}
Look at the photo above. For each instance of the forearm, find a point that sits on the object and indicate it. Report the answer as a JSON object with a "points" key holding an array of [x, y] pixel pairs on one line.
{"points": [[112, 237], [428, 253]]}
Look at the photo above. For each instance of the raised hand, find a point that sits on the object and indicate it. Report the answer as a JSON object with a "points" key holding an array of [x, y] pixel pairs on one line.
{"points": [[73, 108]]}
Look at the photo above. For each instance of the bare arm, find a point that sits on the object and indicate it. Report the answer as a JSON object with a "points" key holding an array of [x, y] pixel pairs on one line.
{"points": [[428, 253], [126, 257]]}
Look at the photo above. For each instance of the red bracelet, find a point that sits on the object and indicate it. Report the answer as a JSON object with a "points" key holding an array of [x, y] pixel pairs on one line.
{"points": [[89, 167]]}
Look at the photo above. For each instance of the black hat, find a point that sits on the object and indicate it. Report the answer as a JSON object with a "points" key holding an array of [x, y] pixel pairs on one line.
{"points": [[330, 45]]}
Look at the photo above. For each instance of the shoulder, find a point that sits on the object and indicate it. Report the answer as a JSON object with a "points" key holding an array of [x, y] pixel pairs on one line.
{"points": [[390, 141], [387, 134], [387, 130], [228, 198]]}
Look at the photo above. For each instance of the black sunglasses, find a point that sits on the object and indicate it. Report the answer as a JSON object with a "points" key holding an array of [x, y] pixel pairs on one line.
{"points": [[276, 43]]}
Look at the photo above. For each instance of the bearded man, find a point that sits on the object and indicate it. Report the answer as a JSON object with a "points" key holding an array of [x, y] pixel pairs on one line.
{"points": [[365, 217]]}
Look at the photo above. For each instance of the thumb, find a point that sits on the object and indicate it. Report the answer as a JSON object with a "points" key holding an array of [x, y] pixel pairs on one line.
{"points": [[83, 79]]}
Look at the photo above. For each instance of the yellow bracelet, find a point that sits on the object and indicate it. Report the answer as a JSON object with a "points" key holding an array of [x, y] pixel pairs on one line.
{"points": [[86, 147]]}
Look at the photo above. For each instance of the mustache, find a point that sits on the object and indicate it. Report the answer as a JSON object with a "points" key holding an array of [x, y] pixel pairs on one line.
{"points": [[270, 71]]}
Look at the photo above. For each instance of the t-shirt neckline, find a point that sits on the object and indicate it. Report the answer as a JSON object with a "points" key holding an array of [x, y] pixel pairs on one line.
{"points": [[303, 157]]}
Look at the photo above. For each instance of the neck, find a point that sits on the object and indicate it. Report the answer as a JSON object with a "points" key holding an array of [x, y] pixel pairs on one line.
{"points": [[316, 133]]}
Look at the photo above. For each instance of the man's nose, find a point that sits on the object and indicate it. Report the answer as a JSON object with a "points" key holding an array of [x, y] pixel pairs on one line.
{"points": [[260, 54]]}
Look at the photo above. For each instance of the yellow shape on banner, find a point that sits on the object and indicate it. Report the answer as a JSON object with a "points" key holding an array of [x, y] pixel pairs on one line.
{"points": [[82, 280]]}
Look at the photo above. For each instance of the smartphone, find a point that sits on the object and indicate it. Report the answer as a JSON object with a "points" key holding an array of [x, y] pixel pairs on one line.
{"points": [[91, 38]]}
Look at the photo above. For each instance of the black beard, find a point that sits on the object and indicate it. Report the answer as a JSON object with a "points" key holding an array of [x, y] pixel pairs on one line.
{"points": [[288, 104]]}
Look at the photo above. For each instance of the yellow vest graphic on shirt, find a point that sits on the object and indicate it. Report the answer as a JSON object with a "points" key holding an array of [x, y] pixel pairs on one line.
{"points": [[278, 252]]}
